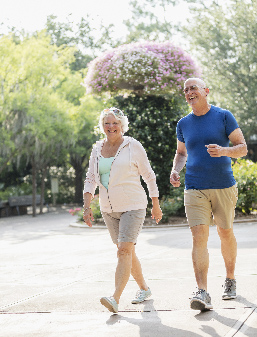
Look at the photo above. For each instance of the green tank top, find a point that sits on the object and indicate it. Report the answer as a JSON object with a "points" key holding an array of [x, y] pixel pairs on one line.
{"points": [[104, 170]]}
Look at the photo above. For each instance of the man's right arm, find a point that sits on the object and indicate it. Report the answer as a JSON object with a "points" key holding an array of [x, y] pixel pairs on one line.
{"points": [[178, 163]]}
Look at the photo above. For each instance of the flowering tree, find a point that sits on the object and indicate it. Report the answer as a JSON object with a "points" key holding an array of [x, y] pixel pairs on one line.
{"points": [[149, 67]]}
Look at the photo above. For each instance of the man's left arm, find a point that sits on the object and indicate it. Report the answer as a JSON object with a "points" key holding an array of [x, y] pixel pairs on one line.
{"points": [[239, 148]]}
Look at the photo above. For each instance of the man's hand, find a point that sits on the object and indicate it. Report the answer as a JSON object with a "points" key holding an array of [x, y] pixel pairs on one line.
{"points": [[175, 178], [215, 150]]}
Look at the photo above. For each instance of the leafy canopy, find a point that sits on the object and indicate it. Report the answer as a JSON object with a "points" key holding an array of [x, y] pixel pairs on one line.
{"points": [[223, 36]]}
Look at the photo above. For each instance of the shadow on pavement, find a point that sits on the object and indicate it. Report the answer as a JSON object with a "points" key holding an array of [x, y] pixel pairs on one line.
{"points": [[150, 321]]}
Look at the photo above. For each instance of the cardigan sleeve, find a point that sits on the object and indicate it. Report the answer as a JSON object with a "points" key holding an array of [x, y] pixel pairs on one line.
{"points": [[90, 181], [145, 169]]}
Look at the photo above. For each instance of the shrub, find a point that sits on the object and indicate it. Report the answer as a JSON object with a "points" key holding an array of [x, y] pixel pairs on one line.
{"points": [[173, 204], [22, 189], [23, 186], [95, 209], [245, 173], [66, 182], [95, 206]]}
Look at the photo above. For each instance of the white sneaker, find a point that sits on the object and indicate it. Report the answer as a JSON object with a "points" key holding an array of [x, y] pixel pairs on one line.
{"points": [[201, 301], [141, 295], [229, 289], [110, 304]]}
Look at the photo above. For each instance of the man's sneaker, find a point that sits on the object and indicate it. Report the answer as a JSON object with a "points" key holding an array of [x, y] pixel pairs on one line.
{"points": [[110, 304], [201, 301], [229, 289], [141, 295]]}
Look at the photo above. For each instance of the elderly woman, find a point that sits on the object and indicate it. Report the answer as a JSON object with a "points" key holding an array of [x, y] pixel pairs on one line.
{"points": [[116, 164]]}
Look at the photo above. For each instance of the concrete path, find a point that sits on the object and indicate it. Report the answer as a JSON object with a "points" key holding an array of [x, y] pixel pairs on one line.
{"points": [[52, 276]]}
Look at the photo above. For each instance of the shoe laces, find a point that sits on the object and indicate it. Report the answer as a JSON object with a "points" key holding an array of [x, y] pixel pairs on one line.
{"points": [[228, 284], [139, 293], [198, 292]]}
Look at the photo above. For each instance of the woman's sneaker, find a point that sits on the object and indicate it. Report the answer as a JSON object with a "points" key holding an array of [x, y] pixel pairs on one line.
{"points": [[229, 289], [141, 295], [201, 301], [110, 304]]}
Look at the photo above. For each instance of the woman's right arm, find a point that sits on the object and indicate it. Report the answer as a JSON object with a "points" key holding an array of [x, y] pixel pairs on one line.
{"points": [[87, 213], [89, 189]]}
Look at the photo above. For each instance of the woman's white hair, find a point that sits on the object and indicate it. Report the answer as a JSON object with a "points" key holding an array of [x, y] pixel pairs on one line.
{"points": [[118, 114]]}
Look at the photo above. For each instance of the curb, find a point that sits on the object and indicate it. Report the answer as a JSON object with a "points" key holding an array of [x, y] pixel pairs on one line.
{"points": [[81, 225]]}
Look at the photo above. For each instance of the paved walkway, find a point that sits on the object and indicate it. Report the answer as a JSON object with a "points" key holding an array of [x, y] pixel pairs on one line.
{"points": [[52, 276]]}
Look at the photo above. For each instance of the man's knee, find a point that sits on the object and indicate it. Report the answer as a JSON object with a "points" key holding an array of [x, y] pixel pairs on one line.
{"points": [[226, 234], [200, 235]]}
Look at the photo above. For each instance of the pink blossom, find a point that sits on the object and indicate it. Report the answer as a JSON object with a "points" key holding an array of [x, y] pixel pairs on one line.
{"points": [[140, 64]]}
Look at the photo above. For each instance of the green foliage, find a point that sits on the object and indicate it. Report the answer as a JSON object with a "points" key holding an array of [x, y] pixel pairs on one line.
{"points": [[81, 35], [95, 209], [84, 121], [152, 121], [22, 189], [245, 173], [173, 204], [66, 178], [225, 44], [33, 116], [95, 206]]}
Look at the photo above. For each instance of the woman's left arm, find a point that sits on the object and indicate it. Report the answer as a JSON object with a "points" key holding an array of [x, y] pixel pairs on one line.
{"points": [[156, 210], [149, 177]]}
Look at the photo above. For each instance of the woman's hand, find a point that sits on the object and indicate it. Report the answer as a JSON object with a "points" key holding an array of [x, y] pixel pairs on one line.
{"points": [[156, 213], [87, 216]]}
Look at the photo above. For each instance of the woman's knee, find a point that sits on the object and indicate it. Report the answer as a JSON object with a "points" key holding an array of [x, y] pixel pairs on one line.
{"points": [[125, 249]]}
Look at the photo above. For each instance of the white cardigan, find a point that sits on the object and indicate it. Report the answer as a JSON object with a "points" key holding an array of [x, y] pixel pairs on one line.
{"points": [[125, 192]]}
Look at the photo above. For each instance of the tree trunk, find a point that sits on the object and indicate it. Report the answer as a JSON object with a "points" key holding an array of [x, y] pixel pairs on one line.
{"points": [[44, 171], [78, 198], [34, 187]]}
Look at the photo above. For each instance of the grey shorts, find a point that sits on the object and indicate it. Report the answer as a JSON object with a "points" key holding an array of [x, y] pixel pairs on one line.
{"points": [[211, 206], [124, 226]]}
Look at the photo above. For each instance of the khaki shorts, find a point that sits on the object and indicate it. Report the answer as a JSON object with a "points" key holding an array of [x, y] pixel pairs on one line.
{"points": [[211, 206], [124, 226]]}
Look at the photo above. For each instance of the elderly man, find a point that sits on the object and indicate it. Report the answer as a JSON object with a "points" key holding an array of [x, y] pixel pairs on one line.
{"points": [[203, 138]]}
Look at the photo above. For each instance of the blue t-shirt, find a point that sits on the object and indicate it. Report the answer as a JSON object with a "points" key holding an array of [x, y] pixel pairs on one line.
{"points": [[202, 170]]}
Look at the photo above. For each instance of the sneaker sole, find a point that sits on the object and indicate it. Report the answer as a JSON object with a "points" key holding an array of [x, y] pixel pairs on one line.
{"points": [[226, 297], [108, 305], [199, 305]]}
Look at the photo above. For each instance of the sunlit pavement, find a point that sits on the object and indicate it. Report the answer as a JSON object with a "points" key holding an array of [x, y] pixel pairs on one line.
{"points": [[52, 276]]}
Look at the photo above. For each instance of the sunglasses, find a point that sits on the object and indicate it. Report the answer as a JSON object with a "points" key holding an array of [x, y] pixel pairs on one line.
{"points": [[192, 88], [117, 112]]}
